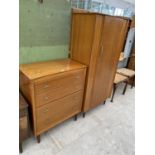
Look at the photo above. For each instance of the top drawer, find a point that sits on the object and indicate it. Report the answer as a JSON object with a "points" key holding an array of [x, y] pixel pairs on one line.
{"points": [[50, 88]]}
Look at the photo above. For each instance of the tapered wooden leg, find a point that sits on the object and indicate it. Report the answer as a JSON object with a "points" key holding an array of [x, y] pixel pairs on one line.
{"points": [[104, 102], [38, 139], [84, 114], [20, 147], [124, 90], [133, 81], [75, 117], [113, 93]]}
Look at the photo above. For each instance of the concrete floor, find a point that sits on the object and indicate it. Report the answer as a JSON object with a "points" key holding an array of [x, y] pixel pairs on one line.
{"points": [[106, 130]]}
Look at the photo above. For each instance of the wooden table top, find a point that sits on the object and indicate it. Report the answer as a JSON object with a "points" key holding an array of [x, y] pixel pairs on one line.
{"points": [[41, 69]]}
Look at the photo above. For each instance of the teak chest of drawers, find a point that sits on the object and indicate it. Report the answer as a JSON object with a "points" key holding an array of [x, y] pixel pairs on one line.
{"points": [[54, 90]]}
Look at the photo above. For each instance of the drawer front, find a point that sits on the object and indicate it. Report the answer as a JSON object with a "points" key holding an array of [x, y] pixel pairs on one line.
{"points": [[59, 86], [55, 112]]}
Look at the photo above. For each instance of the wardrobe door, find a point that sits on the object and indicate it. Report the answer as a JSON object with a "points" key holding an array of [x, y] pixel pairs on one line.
{"points": [[82, 36], [113, 36]]}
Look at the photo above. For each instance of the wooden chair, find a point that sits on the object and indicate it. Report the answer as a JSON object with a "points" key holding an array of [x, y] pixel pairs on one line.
{"points": [[24, 126], [119, 79], [128, 73]]}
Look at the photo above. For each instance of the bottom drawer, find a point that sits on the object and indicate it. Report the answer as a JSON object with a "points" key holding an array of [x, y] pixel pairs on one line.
{"points": [[57, 111]]}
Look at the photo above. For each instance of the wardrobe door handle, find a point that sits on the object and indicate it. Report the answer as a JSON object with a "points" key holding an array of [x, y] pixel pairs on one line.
{"points": [[46, 110], [46, 97], [77, 77], [101, 51], [46, 86]]}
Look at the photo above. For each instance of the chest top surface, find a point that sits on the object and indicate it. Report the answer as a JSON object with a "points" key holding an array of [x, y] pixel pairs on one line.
{"points": [[40, 69]]}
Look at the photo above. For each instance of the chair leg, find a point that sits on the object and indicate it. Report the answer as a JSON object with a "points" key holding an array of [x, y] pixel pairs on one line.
{"points": [[124, 90], [20, 147], [104, 102], [113, 93], [133, 81], [38, 139]]}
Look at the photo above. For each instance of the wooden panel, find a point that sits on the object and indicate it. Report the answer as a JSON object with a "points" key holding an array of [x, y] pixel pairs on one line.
{"points": [[82, 37], [111, 47], [25, 86], [93, 59], [59, 86], [71, 26], [55, 112]]}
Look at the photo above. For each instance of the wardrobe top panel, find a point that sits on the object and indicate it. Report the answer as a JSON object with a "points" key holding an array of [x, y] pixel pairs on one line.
{"points": [[40, 69], [81, 11]]}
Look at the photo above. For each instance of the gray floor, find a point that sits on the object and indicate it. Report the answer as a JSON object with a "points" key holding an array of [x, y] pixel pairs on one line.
{"points": [[106, 130]]}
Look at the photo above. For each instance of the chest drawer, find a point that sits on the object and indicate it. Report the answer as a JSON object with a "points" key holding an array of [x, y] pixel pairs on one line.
{"points": [[58, 86], [53, 113]]}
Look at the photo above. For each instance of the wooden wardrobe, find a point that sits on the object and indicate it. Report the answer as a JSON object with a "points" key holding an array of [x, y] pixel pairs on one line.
{"points": [[97, 41]]}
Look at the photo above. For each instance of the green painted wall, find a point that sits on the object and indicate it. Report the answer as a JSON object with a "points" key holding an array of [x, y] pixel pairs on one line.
{"points": [[44, 30]]}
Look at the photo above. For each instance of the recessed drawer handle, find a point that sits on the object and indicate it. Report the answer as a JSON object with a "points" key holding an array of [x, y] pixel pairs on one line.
{"points": [[46, 86], [46, 97], [47, 121], [77, 77], [46, 110]]}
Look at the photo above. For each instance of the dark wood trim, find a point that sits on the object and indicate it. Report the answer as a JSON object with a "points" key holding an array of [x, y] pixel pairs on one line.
{"points": [[38, 138], [84, 114], [113, 93], [125, 87], [20, 147], [75, 117]]}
